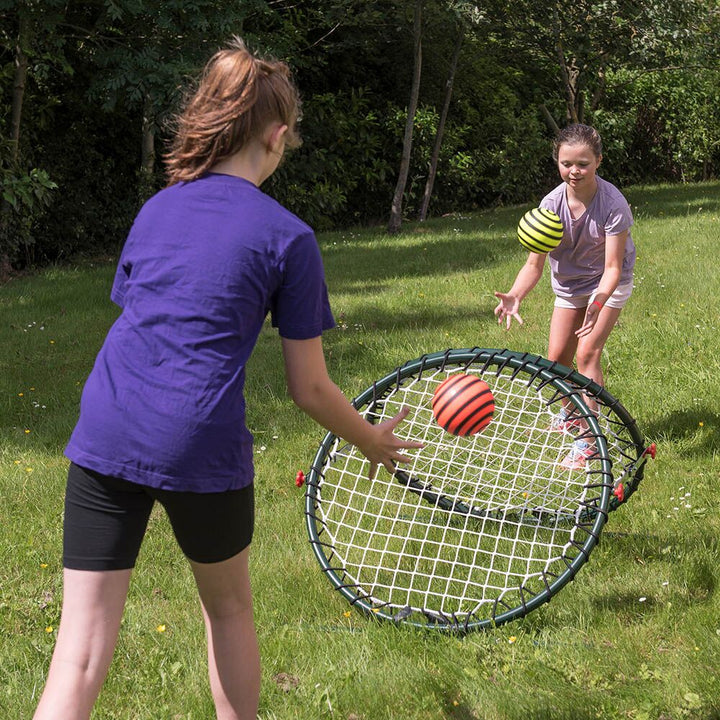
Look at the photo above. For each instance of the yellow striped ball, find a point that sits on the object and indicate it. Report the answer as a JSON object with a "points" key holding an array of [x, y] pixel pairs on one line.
{"points": [[540, 230]]}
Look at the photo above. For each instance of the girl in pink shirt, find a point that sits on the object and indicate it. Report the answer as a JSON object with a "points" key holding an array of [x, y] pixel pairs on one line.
{"points": [[592, 267]]}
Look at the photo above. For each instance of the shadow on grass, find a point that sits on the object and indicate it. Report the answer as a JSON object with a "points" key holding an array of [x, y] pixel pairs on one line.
{"points": [[698, 574], [372, 265], [675, 200], [695, 430]]}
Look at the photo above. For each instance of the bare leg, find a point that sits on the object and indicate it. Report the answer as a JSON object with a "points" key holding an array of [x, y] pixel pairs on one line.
{"points": [[233, 656], [589, 354], [92, 609], [563, 342], [589, 349]]}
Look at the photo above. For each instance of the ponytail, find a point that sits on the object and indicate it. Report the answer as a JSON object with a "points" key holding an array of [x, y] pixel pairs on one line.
{"points": [[238, 96]]}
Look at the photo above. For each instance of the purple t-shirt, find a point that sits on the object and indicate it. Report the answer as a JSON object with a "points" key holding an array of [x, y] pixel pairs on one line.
{"points": [[203, 265], [578, 262]]}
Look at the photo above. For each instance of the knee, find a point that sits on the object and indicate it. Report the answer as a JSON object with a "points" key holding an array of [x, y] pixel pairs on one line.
{"points": [[588, 358], [227, 607], [239, 612]]}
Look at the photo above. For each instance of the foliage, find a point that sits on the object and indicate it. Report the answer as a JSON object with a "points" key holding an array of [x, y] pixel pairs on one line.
{"points": [[144, 51], [27, 196], [568, 47], [342, 170], [105, 78], [670, 120]]}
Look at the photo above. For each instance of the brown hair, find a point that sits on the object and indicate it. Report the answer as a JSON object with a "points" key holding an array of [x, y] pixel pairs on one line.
{"points": [[237, 97], [578, 134]]}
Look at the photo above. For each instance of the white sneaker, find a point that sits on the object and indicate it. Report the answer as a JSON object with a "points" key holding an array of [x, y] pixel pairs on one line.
{"points": [[561, 424], [580, 452]]}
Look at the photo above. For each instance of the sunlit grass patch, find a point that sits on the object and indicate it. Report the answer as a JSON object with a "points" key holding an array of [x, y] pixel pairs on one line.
{"points": [[636, 635]]}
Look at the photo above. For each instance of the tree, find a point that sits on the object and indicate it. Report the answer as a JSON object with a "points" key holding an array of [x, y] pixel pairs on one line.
{"points": [[574, 44], [464, 12], [146, 49], [396, 209], [30, 35]]}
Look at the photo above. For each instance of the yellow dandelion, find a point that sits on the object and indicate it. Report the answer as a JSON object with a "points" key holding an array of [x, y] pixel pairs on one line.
{"points": [[27, 432], [347, 614], [17, 462], [21, 394], [28, 469], [701, 424], [32, 388], [160, 628], [455, 703], [52, 342], [49, 629], [512, 639], [376, 610], [43, 565]]}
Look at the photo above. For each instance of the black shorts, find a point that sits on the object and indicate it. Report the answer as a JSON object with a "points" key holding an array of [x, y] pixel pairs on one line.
{"points": [[106, 519]]}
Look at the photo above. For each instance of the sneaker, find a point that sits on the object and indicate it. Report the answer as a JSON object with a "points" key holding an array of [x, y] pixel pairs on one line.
{"points": [[580, 452], [561, 424]]}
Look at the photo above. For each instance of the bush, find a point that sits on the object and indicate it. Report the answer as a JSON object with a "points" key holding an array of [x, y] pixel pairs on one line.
{"points": [[26, 197], [342, 172]]}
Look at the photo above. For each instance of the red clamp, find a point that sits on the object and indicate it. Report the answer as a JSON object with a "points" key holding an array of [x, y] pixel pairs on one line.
{"points": [[619, 492]]}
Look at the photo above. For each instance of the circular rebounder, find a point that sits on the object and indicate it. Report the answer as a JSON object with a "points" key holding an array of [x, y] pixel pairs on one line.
{"points": [[463, 404], [540, 230]]}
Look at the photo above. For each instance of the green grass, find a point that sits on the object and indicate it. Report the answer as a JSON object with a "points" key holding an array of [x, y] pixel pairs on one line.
{"points": [[637, 635]]}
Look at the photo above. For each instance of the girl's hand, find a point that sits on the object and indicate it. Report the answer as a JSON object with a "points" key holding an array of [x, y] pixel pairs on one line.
{"points": [[507, 309], [384, 447], [591, 315], [315, 393]]}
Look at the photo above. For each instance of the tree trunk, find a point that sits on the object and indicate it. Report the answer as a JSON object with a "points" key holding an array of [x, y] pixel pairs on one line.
{"points": [[147, 158], [396, 209], [19, 82], [441, 128], [549, 119], [599, 94], [569, 78]]}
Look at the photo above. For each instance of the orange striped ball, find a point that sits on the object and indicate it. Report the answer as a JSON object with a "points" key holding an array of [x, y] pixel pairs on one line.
{"points": [[463, 404]]}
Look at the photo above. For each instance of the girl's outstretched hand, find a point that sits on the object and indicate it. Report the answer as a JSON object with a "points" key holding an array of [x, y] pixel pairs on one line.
{"points": [[507, 309], [591, 315], [384, 447]]}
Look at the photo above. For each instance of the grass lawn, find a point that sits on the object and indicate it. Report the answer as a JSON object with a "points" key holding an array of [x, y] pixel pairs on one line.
{"points": [[636, 635]]}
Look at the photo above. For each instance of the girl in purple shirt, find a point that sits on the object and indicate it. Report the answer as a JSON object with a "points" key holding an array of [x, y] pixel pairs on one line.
{"points": [[591, 268], [162, 416]]}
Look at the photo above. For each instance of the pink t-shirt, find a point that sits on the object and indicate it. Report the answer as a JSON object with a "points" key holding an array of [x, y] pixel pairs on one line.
{"points": [[578, 262]]}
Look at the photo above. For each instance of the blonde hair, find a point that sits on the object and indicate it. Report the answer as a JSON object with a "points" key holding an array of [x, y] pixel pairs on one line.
{"points": [[238, 96]]}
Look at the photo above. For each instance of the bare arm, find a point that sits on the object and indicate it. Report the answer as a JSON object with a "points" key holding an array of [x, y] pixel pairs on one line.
{"points": [[528, 277], [614, 255], [316, 394]]}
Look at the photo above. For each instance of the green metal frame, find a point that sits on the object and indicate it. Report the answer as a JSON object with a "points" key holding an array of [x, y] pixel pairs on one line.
{"points": [[569, 385]]}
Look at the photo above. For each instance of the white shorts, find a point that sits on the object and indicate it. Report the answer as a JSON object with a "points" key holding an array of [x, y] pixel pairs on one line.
{"points": [[616, 300]]}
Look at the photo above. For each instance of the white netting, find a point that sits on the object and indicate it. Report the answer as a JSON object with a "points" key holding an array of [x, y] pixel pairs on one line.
{"points": [[486, 522]]}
